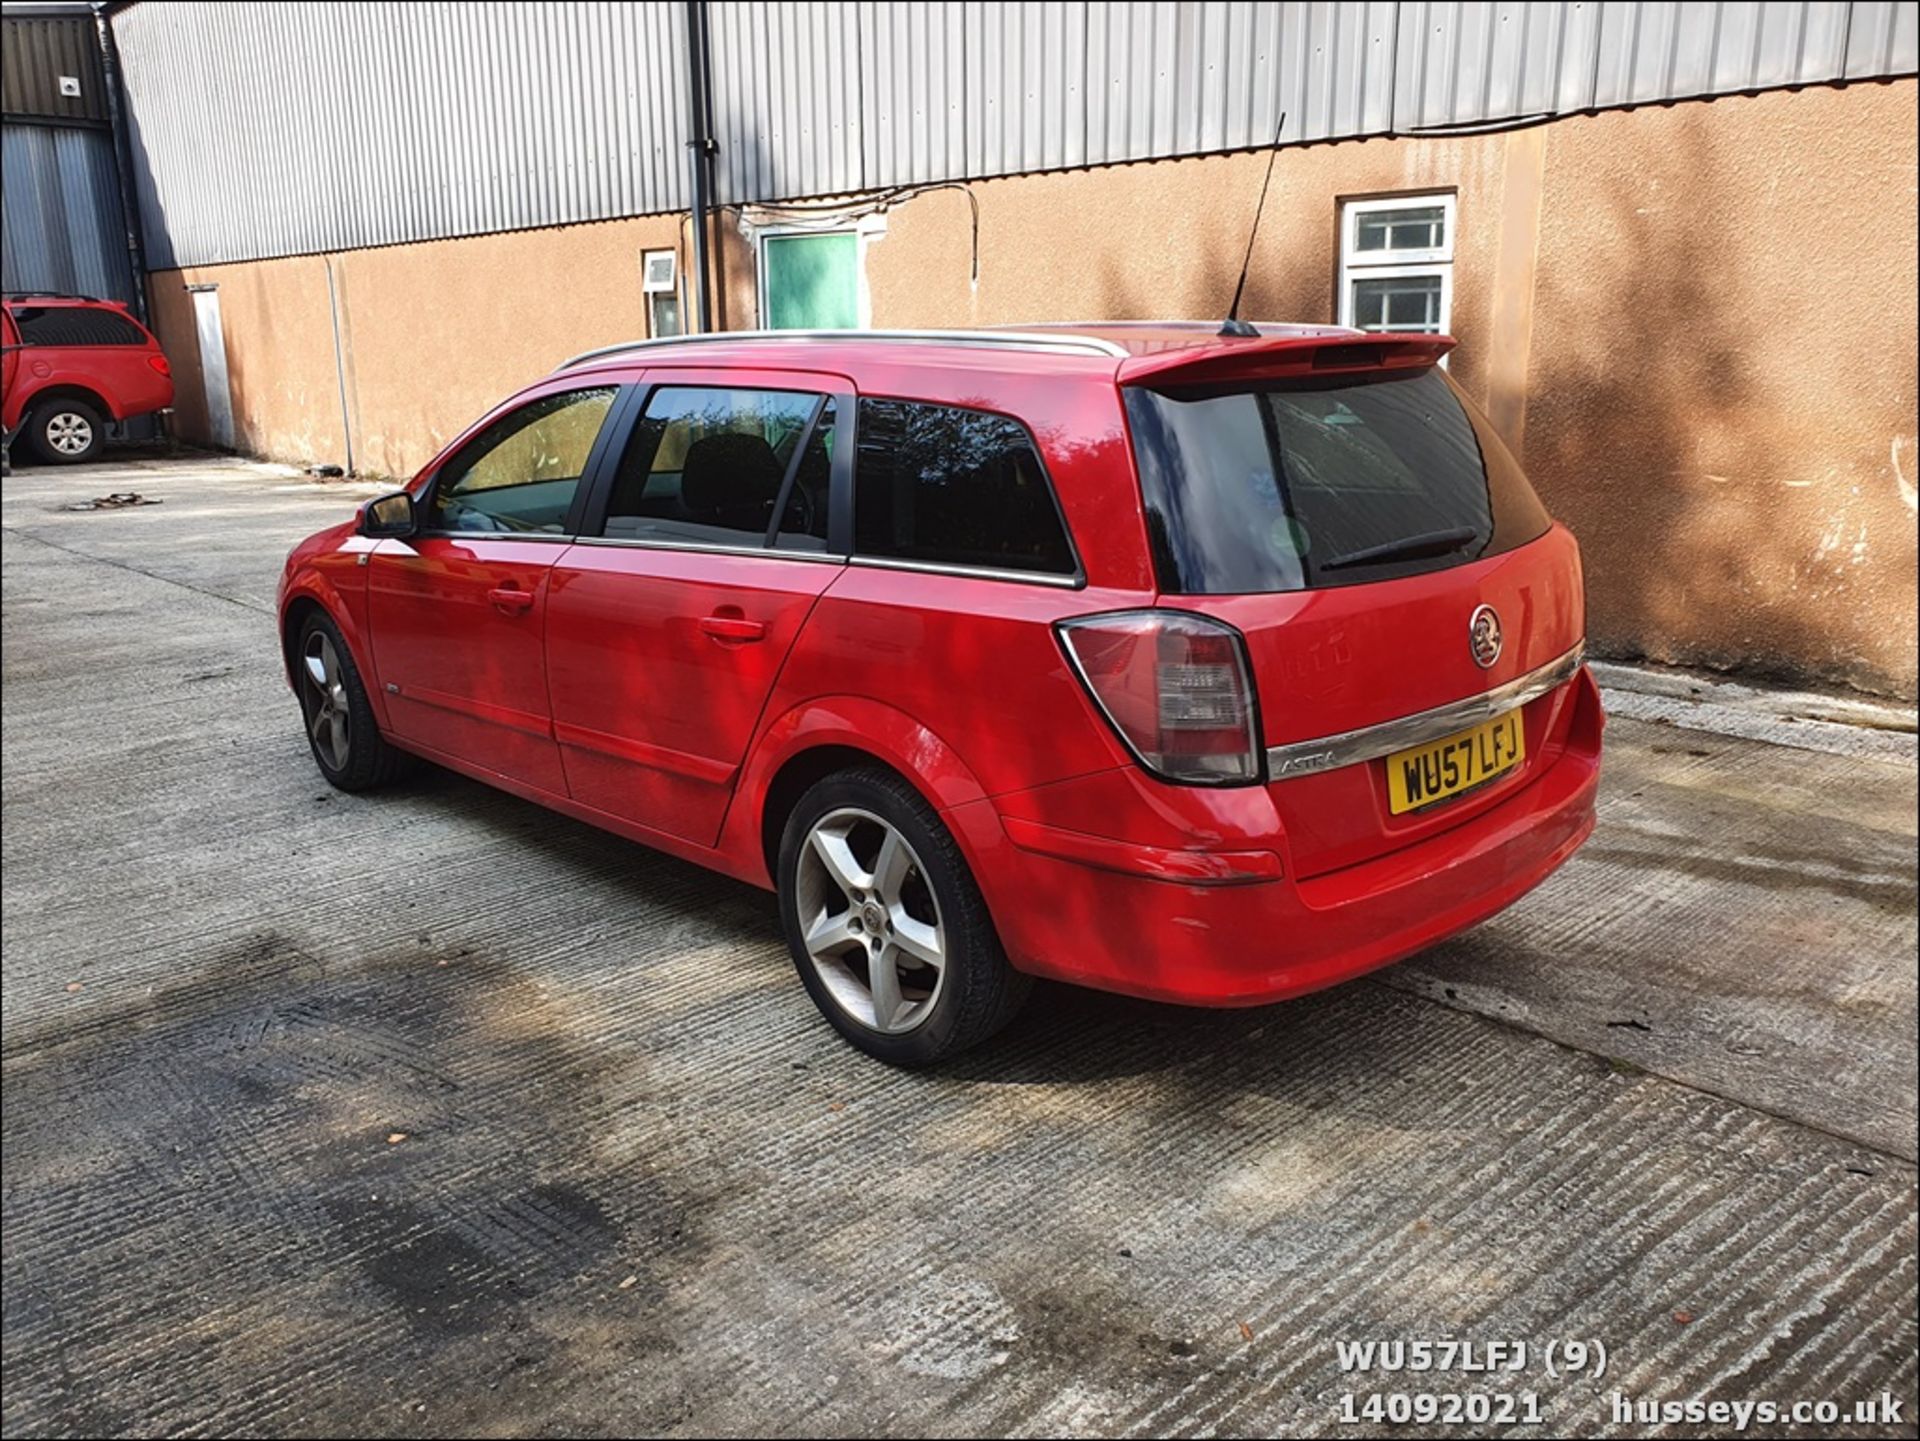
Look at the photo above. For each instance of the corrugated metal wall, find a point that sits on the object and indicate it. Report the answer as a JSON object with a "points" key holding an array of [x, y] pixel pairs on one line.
{"points": [[62, 227], [39, 50], [786, 99], [284, 129], [280, 129]]}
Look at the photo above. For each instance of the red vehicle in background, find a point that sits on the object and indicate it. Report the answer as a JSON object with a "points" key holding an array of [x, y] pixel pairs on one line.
{"points": [[1209, 668], [72, 364]]}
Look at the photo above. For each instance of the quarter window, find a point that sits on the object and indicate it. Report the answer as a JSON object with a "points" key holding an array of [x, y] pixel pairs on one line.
{"points": [[709, 464], [520, 473], [949, 486], [1396, 264], [75, 325]]}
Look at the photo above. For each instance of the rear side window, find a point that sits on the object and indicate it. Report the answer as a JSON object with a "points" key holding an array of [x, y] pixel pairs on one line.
{"points": [[803, 519], [950, 486], [1323, 483], [75, 325], [709, 464]]}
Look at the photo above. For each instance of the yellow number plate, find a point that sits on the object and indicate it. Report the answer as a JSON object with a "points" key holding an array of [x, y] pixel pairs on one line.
{"points": [[1444, 768]]}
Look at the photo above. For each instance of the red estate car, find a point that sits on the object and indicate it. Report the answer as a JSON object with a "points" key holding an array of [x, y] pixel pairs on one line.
{"points": [[70, 364], [1205, 668]]}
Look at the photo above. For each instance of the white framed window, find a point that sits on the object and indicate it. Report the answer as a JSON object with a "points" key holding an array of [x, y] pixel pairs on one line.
{"points": [[813, 273], [1396, 264], [660, 282]]}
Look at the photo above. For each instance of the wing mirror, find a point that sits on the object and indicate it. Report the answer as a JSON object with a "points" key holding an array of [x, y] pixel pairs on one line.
{"points": [[387, 515]]}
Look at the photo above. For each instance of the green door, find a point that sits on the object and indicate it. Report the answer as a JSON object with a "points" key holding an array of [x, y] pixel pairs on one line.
{"points": [[813, 281]]}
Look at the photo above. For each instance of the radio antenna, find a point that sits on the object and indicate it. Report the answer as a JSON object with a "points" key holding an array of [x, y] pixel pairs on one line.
{"points": [[1233, 325]]}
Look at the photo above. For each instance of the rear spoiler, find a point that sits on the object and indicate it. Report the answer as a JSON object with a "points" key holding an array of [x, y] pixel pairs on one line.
{"points": [[1282, 357]]}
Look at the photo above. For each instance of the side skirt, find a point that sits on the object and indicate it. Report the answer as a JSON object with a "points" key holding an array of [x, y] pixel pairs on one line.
{"points": [[705, 856]]}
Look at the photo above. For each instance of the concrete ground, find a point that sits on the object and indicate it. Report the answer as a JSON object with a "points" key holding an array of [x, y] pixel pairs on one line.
{"points": [[432, 1111]]}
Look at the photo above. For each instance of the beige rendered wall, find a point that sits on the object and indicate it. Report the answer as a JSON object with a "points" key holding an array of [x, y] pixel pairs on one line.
{"points": [[1696, 322], [1722, 382], [431, 335]]}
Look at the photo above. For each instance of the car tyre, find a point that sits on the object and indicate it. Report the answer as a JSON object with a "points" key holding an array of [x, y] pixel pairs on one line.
{"points": [[66, 432], [872, 885], [341, 730]]}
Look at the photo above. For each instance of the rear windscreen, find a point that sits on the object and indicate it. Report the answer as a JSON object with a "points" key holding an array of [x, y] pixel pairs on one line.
{"points": [[1317, 483], [75, 325]]}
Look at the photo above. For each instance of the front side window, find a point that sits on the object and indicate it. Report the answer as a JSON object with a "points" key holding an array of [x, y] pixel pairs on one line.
{"points": [[520, 473], [75, 325], [948, 486], [1396, 264], [708, 464], [1304, 485]]}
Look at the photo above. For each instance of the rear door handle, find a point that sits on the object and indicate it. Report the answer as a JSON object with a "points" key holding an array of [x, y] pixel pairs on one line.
{"points": [[733, 628], [511, 599]]}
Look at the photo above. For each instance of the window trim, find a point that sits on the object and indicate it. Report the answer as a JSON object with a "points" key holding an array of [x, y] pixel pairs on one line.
{"points": [[1420, 263], [1075, 579], [1057, 579], [698, 547]]}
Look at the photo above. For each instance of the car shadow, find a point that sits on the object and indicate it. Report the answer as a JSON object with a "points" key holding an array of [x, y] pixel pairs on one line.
{"points": [[1064, 1035]]}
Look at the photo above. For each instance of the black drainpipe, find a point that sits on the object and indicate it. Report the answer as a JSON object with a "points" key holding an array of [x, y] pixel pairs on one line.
{"points": [[702, 145], [123, 161]]}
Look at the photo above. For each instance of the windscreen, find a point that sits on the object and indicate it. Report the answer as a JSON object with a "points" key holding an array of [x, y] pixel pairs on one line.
{"points": [[1323, 482]]}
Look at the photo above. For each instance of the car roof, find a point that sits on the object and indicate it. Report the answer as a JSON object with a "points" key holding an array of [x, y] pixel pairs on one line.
{"points": [[1102, 348], [1156, 337], [55, 298]]}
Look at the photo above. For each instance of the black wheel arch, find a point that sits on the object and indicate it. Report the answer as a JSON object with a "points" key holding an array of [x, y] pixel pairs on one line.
{"points": [[798, 774], [292, 620], [54, 394]]}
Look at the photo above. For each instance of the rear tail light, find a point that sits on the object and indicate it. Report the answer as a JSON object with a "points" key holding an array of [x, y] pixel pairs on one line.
{"points": [[159, 364], [1175, 688]]}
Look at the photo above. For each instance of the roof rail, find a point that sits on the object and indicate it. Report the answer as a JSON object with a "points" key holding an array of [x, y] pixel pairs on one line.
{"points": [[991, 339], [48, 295]]}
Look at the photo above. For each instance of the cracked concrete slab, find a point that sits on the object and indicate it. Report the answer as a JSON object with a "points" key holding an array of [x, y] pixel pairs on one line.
{"points": [[1743, 921], [1798, 720], [434, 1112]]}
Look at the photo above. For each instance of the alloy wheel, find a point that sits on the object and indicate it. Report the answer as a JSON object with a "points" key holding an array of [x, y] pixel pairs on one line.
{"points": [[869, 922], [69, 433], [327, 710]]}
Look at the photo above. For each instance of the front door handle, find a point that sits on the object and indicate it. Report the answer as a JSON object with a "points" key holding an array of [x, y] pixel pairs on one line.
{"points": [[511, 599], [734, 628]]}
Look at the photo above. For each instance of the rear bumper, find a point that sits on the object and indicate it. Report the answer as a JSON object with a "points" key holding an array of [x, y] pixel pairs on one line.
{"points": [[1217, 927]]}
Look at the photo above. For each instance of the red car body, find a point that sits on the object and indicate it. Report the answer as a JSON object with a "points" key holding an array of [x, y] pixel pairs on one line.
{"points": [[90, 356], [683, 697]]}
